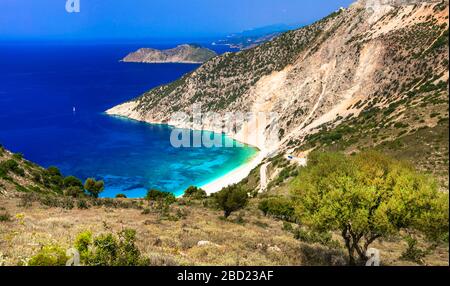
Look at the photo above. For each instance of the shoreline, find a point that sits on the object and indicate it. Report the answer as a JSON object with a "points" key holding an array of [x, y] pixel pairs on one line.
{"points": [[234, 176], [230, 178]]}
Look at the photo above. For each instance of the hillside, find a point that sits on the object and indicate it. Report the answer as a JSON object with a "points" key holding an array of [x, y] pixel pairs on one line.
{"points": [[20, 175], [362, 77], [180, 54]]}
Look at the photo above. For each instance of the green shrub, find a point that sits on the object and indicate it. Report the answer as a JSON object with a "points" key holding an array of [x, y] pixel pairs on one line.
{"points": [[121, 196], [231, 199], [18, 156], [3, 172], [49, 256], [74, 192], [53, 171], [82, 243], [195, 193], [11, 166], [413, 253], [53, 179], [280, 208], [158, 196], [110, 250]]}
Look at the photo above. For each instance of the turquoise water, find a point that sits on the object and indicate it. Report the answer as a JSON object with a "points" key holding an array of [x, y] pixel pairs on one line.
{"points": [[40, 85]]}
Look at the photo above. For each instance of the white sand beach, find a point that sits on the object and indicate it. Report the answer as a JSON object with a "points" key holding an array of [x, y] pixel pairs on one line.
{"points": [[235, 176]]}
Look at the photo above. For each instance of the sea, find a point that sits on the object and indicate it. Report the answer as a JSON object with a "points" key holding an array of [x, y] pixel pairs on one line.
{"points": [[52, 102]]}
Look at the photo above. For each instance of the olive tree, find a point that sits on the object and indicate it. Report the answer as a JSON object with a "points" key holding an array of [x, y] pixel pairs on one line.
{"points": [[93, 187], [231, 199], [366, 197]]}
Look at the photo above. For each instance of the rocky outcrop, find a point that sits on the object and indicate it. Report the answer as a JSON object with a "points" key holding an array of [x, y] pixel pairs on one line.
{"points": [[181, 54]]}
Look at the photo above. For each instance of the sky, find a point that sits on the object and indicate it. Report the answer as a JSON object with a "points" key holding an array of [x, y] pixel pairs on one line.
{"points": [[144, 19]]}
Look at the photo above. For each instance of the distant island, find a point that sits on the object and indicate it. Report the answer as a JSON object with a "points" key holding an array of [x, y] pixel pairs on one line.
{"points": [[187, 53]]}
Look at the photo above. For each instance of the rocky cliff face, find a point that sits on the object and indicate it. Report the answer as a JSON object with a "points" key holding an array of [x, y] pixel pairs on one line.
{"points": [[371, 73], [180, 54]]}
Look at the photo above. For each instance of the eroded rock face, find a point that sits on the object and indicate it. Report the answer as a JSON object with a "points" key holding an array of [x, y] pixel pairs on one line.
{"points": [[355, 60], [180, 54]]}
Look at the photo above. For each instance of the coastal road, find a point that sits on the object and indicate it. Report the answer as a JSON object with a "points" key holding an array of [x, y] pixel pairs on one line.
{"points": [[263, 177]]}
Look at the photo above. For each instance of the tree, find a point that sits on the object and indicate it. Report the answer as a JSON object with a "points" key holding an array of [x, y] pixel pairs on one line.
{"points": [[72, 181], [194, 193], [366, 197], [93, 187], [231, 199], [158, 196]]}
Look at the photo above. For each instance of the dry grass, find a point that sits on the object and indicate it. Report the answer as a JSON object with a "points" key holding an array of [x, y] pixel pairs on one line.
{"points": [[246, 238], [164, 241]]}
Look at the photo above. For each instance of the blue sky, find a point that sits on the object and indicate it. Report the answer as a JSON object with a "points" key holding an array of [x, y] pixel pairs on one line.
{"points": [[140, 19]]}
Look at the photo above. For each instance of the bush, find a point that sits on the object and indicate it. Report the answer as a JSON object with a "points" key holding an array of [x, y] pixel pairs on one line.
{"points": [[231, 199], [53, 171], [110, 250], [82, 243], [49, 256], [195, 193], [18, 156], [53, 179], [82, 204], [74, 192], [11, 166], [280, 208], [3, 172], [66, 203], [121, 196], [158, 196], [413, 253], [72, 181]]}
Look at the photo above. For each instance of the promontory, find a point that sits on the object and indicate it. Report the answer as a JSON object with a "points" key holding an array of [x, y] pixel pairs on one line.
{"points": [[187, 53]]}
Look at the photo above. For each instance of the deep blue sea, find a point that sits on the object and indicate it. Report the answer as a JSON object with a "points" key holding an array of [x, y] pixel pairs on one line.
{"points": [[41, 83]]}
